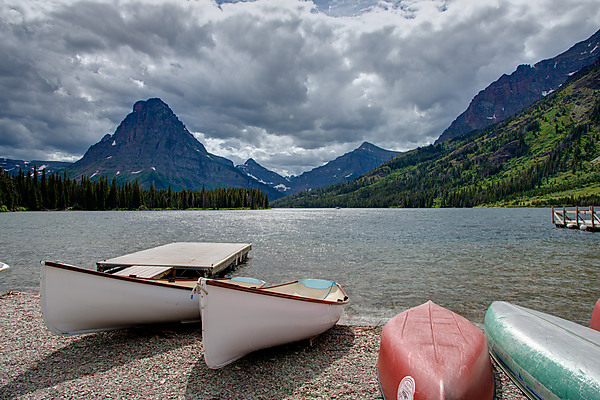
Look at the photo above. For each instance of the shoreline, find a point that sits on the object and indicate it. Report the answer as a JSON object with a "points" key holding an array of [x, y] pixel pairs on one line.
{"points": [[166, 362]]}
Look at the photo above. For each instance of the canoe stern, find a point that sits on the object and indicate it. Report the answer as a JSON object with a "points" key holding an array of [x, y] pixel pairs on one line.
{"points": [[438, 353]]}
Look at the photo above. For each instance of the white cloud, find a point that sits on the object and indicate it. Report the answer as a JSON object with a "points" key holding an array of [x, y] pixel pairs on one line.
{"points": [[394, 73]]}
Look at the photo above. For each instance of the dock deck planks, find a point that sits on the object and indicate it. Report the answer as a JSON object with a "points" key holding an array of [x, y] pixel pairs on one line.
{"points": [[144, 271], [208, 258]]}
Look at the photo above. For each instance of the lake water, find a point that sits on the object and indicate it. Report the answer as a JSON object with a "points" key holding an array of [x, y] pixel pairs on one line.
{"points": [[387, 260]]}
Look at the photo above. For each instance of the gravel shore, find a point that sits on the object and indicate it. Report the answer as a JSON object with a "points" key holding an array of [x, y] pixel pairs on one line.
{"points": [[165, 362]]}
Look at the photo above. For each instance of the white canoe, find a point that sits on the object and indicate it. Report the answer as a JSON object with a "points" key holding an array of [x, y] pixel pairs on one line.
{"points": [[238, 320], [548, 357], [3, 267], [77, 300]]}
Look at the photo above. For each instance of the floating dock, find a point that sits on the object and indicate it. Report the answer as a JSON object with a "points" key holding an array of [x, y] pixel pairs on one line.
{"points": [[178, 259], [582, 218]]}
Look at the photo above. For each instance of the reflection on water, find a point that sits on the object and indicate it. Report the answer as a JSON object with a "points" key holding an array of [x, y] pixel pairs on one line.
{"points": [[387, 260]]}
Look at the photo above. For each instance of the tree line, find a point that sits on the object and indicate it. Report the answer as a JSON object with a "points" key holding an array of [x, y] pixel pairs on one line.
{"points": [[56, 191], [470, 175]]}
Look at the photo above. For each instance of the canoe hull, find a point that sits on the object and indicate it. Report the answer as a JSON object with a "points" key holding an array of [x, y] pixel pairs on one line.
{"points": [[429, 352], [238, 321], [77, 301], [548, 357]]}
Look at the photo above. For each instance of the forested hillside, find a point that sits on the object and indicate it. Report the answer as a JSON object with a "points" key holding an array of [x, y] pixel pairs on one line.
{"points": [[548, 154]]}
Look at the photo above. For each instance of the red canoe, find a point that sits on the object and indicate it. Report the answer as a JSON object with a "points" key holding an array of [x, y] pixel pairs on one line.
{"points": [[595, 322], [429, 352]]}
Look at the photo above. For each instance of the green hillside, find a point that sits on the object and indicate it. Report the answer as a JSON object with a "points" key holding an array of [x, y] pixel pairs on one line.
{"points": [[548, 154]]}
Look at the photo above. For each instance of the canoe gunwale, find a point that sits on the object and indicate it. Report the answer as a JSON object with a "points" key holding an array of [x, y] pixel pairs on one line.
{"points": [[546, 356], [111, 276], [513, 377], [262, 291]]}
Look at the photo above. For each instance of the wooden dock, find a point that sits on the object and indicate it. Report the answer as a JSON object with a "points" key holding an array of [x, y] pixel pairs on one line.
{"points": [[582, 218], [178, 259]]}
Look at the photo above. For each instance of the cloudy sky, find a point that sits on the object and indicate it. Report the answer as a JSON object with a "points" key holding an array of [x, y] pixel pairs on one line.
{"points": [[290, 83]]}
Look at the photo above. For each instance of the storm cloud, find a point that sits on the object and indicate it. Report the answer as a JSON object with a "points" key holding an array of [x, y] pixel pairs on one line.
{"points": [[290, 83]]}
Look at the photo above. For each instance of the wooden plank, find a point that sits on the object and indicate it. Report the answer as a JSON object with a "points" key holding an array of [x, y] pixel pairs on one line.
{"points": [[144, 271], [211, 258]]}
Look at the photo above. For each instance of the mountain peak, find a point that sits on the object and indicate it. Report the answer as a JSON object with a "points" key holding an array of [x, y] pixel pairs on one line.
{"points": [[369, 147], [344, 168], [152, 103], [152, 146], [272, 179], [527, 84], [251, 162], [153, 120]]}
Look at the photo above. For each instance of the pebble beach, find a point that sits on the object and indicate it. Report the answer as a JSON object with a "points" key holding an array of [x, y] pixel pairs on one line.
{"points": [[166, 362]]}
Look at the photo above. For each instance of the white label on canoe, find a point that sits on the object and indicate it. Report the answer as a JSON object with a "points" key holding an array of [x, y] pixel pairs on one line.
{"points": [[406, 388]]}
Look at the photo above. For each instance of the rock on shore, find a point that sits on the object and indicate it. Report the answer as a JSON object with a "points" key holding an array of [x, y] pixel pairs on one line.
{"points": [[166, 362]]}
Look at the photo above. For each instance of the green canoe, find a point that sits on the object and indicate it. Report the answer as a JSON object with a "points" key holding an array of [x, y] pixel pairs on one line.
{"points": [[548, 357]]}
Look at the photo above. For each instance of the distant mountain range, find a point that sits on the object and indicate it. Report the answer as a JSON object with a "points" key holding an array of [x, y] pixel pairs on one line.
{"points": [[546, 154], [152, 146], [344, 168], [511, 93], [13, 166]]}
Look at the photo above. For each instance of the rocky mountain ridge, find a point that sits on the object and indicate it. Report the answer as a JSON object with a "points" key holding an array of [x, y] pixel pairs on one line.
{"points": [[264, 175], [343, 169], [547, 154], [153, 147], [527, 84]]}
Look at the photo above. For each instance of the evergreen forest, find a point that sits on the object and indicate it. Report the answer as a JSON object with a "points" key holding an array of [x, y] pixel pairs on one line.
{"points": [[56, 191]]}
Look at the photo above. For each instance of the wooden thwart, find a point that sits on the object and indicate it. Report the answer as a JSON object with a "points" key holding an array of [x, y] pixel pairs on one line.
{"points": [[144, 271], [203, 259]]}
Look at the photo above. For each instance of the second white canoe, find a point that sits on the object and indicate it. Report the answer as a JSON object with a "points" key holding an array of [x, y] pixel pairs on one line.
{"points": [[239, 320]]}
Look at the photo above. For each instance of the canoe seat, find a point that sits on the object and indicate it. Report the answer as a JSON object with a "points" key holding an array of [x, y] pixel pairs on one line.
{"points": [[316, 283], [247, 280]]}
